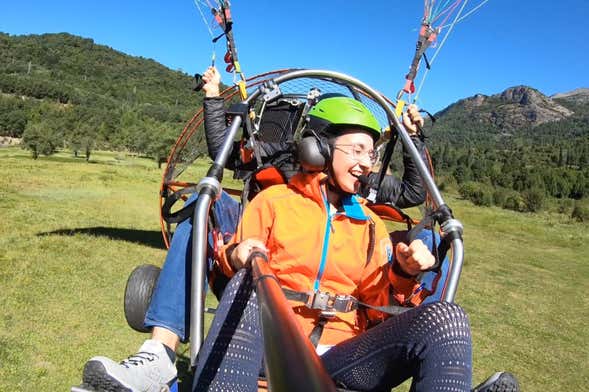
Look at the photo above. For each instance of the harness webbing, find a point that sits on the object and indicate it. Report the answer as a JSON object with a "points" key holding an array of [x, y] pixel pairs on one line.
{"points": [[326, 236], [337, 303], [317, 330]]}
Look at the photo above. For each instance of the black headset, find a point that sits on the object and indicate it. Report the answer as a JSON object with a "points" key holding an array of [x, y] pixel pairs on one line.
{"points": [[314, 151]]}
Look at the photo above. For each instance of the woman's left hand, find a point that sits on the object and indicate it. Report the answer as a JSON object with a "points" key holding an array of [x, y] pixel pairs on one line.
{"points": [[414, 258]]}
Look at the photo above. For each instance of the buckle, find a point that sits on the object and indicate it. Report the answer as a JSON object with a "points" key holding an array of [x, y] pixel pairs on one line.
{"points": [[329, 304], [345, 303], [318, 300]]}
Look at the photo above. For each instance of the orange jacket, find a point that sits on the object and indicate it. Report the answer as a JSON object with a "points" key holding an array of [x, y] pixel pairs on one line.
{"points": [[294, 223]]}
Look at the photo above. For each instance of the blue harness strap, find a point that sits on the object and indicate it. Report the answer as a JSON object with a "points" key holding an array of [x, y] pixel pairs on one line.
{"points": [[353, 210]]}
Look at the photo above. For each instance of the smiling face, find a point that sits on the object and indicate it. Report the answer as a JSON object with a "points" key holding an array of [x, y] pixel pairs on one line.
{"points": [[351, 158]]}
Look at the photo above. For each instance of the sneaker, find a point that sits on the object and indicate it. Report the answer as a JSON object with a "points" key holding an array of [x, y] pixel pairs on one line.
{"points": [[498, 382], [150, 370]]}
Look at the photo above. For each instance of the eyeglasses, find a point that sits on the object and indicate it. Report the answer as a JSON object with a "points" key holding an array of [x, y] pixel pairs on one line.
{"points": [[358, 153]]}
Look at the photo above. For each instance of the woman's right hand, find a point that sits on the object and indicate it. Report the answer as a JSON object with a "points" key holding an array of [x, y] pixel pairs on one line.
{"points": [[244, 249], [412, 119], [212, 79]]}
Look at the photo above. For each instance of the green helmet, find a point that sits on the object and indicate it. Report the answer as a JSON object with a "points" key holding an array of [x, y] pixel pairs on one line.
{"points": [[330, 115]]}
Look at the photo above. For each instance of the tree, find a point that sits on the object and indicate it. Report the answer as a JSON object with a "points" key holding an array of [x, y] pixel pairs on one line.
{"points": [[580, 187], [580, 213], [87, 139], [82, 138], [561, 156], [500, 196], [533, 199], [38, 139], [161, 144], [13, 116], [514, 201], [479, 194], [75, 79], [462, 174], [584, 157]]}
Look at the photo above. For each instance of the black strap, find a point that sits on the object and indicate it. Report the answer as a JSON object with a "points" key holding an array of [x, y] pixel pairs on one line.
{"points": [[297, 296], [371, 240], [338, 303], [391, 309], [427, 221], [317, 331], [390, 147]]}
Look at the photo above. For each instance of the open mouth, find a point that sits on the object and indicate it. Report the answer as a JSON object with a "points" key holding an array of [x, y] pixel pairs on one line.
{"points": [[359, 176]]}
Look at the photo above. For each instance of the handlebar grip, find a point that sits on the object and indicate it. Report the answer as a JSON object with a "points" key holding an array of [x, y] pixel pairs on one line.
{"points": [[198, 82]]}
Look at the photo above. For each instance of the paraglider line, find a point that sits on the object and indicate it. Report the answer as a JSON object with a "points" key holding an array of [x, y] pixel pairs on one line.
{"points": [[468, 13], [438, 49]]}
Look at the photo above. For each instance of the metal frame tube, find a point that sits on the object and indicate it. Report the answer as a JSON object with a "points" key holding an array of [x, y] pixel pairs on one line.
{"points": [[223, 154], [197, 294], [209, 189], [454, 273]]}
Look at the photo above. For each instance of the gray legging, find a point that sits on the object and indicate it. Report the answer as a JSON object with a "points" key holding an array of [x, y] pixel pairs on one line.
{"points": [[430, 343]]}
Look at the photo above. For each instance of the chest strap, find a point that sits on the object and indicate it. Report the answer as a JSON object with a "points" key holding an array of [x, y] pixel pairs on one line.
{"points": [[329, 304], [326, 302]]}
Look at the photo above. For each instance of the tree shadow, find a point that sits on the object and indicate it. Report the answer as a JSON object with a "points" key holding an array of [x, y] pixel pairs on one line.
{"points": [[142, 237]]}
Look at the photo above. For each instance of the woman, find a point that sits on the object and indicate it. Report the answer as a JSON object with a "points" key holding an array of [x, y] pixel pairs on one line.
{"points": [[404, 192], [319, 237]]}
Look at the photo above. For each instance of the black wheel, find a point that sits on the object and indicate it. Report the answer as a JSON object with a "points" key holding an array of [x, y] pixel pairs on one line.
{"points": [[138, 293]]}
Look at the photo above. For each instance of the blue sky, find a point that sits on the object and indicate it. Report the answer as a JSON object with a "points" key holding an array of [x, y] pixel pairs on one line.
{"points": [[506, 43]]}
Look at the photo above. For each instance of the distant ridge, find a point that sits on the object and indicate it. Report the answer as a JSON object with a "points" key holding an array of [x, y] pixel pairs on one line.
{"points": [[516, 107], [579, 95]]}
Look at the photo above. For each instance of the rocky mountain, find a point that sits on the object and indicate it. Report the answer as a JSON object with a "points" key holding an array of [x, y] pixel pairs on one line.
{"points": [[577, 96], [516, 107], [518, 141]]}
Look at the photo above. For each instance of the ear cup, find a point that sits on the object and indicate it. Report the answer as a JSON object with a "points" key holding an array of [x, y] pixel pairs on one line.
{"points": [[313, 153]]}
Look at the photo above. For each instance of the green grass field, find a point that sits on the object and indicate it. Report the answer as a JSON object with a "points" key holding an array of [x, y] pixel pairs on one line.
{"points": [[71, 232]]}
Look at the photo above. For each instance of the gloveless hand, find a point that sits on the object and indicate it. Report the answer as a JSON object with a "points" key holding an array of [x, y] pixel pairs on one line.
{"points": [[244, 249], [414, 258], [412, 119]]}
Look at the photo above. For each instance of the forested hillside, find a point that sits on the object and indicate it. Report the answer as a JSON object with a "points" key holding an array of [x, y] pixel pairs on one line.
{"points": [[518, 149], [60, 90]]}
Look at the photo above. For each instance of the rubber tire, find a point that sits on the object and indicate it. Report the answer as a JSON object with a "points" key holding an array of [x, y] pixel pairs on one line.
{"points": [[138, 291]]}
